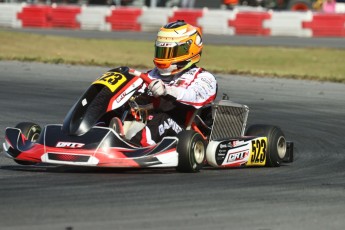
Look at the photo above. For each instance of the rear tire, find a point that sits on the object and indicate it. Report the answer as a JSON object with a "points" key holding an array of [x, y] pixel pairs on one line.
{"points": [[32, 132], [191, 150], [276, 142]]}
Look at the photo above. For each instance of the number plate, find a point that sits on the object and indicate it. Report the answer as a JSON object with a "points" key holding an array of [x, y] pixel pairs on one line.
{"points": [[112, 80], [258, 152]]}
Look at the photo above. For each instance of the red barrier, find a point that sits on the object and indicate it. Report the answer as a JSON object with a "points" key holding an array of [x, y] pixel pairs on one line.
{"points": [[326, 25], [188, 15], [124, 19], [250, 23], [65, 17], [35, 16]]}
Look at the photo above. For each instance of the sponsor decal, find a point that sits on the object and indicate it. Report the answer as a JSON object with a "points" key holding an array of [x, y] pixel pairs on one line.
{"points": [[258, 152], [190, 72], [237, 156], [165, 44], [167, 125], [237, 143], [222, 146], [121, 97], [71, 145], [112, 80], [222, 151], [225, 145], [207, 83]]}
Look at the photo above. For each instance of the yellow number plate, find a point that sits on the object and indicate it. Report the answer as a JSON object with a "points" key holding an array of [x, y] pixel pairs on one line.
{"points": [[258, 152], [112, 80]]}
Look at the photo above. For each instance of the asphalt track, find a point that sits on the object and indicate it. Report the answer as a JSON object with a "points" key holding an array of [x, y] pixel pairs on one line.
{"points": [[308, 194]]}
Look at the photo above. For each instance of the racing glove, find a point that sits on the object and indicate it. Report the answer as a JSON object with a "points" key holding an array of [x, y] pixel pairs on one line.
{"points": [[158, 88]]}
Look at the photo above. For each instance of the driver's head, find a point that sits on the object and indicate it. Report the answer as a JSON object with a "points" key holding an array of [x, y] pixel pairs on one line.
{"points": [[178, 46]]}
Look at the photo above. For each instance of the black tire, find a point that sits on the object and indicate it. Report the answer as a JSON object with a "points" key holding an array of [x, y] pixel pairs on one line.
{"points": [[192, 151], [32, 132], [299, 5], [276, 149]]}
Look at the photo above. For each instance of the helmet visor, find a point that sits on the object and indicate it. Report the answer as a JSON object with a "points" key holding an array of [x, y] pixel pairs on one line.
{"points": [[164, 50]]}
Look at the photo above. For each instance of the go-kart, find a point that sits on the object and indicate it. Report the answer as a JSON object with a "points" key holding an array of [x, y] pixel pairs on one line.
{"points": [[216, 134]]}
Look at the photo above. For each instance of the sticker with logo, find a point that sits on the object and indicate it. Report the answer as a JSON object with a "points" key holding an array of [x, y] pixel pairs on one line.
{"points": [[258, 152], [112, 80], [237, 156], [221, 151], [70, 145]]}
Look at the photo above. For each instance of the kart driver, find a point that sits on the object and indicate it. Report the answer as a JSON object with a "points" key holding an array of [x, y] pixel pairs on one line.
{"points": [[179, 86]]}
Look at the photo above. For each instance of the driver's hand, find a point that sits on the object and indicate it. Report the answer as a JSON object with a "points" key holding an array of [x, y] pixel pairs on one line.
{"points": [[157, 88]]}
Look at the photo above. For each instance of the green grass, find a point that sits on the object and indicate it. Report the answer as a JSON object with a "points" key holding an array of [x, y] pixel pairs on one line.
{"points": [[302, 63]]}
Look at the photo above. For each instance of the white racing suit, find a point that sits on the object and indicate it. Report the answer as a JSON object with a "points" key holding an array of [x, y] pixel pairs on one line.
{"points": [[189, 90]]}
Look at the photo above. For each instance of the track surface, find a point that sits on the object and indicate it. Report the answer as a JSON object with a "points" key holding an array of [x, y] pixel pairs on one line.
{"points": [[337, 43], [307, 194]]}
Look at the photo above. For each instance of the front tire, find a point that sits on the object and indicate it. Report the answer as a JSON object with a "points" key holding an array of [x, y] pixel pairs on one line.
{"points": [[191, 149], [276, 142], [32, 132]]}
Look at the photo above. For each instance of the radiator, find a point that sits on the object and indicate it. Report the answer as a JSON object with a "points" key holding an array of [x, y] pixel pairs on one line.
{"points": [[230, 120]]}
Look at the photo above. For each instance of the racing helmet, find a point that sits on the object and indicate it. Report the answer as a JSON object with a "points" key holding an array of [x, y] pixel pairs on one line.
{"points": [[178, 46]]}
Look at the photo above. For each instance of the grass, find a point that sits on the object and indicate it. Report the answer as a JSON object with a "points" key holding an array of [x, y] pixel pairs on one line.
{"points": [[302, 63]]}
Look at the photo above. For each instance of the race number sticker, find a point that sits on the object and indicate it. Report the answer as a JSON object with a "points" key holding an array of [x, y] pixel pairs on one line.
{"points": [[112, 80], [258, 152]]}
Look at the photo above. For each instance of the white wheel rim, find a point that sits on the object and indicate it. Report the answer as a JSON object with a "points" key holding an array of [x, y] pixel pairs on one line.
{"points": [[281, 147], [199, 152], [35, 137], [35, 134]]}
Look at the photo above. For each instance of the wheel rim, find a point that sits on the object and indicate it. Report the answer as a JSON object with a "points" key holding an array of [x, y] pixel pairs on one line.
{"points": [[281, 147], [199, 152], [35, 137], [33, 134]]}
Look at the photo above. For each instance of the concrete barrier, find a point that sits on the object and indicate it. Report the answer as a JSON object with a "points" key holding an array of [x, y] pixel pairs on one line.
{"points": [[152, 19], [326, 25], [35, 16], [288, 23], [93, 18], [250, 23], [242, 21], [65, 17], [124, 18], [8, 15], [216, 22]]}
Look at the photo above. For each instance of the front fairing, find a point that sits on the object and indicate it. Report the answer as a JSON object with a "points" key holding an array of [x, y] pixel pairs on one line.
{"points": [[107, 93], [100, 147]]}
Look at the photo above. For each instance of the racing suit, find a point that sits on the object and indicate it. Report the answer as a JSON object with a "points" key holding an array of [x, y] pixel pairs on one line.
{"points": [[188, 90]]}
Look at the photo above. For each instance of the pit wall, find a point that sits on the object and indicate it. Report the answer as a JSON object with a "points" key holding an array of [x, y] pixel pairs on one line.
{"points": [[247, 22]]}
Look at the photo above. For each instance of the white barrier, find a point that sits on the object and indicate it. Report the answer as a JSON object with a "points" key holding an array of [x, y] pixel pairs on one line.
{"points": [[8, 15], [240, 21], [153, 19], [287, 23], [93, 18], [216, 22]]}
